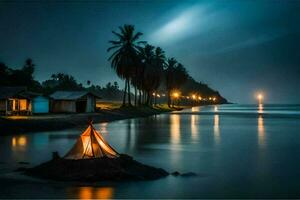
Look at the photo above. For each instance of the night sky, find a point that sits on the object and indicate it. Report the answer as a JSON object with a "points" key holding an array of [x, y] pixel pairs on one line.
{"points": [[236, 47]]}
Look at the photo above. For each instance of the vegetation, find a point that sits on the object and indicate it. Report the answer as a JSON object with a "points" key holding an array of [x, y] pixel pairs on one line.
{"points": [[19, 77], [147, 69]]}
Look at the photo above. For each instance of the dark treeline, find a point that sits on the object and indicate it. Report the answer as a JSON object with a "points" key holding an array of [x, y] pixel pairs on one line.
{"points": [[146, 68], [59, 81]]}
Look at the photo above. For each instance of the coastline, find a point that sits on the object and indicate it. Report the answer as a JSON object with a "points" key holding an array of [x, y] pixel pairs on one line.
{"points": [[54, 122]]}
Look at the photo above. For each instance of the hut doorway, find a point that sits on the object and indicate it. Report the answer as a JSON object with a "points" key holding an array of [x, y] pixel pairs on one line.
{"points": [[81, 106]]}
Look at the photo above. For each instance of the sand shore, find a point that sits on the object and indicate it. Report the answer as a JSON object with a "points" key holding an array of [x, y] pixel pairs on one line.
{"points": [[52, 122]]}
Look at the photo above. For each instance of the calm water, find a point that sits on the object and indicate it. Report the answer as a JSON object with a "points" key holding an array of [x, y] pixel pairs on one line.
{"points": [[236, 150]]}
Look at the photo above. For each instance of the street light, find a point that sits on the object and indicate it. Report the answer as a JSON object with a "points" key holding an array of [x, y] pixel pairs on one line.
{"points": [[175, 94]]}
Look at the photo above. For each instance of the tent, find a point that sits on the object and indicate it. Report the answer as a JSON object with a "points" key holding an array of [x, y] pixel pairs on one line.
{"points": [[91, 144]]}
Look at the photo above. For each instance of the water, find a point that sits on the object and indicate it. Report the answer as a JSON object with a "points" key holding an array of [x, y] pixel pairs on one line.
{"points": [[238, 151]]}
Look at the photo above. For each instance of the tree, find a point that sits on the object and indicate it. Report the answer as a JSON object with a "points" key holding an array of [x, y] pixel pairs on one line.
{"points": [[88, 82], [124, 59], [176, 75], [170, 78], [159, 63]]}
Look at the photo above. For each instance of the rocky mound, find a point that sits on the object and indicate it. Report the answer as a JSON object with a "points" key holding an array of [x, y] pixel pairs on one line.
{"points": [[97, 169]]}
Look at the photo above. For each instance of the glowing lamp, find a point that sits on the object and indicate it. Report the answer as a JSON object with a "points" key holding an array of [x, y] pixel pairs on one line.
{"points": [[260, 98], [175, 94]]}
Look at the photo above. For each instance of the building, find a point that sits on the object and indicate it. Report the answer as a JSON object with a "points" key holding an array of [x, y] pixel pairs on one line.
{"points": [[73, 101], [19, 101], [40, 104]]}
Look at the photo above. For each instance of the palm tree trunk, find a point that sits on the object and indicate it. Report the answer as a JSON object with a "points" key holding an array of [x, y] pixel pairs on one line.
{"points": [[148, 98], [140, 98], [124, 94], [169, 99], [155, 99], [129, 94], [135, 95]]}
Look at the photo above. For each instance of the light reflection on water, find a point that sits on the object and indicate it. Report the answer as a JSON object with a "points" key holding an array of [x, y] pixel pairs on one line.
{"points": [[260, 108], [19, 143], [175, 129], [216, 129], [194, 127], [91, 192], [261, 131]]}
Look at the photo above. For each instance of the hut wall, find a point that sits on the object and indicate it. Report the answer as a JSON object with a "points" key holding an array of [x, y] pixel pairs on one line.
{"points": [[63, 106], [2, 105], [40, 104], [90, 106]]}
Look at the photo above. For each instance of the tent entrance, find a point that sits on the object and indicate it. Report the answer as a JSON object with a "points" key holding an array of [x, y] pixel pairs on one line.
{"points": [[81, 106]]}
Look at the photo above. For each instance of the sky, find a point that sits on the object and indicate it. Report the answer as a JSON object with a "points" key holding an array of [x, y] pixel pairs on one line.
{"points": [[239, 48]]}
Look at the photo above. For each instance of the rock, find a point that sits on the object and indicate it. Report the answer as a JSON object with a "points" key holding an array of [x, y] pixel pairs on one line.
{"points": [[176, 173], [97, 169], [55, 155], [21, 169], [24, 163]]}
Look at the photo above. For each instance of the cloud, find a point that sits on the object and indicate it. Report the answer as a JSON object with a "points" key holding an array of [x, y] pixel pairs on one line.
{"points": [[184, 25]]}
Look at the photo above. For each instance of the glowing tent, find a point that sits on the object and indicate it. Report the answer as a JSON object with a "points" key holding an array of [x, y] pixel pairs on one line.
{"points": [[91, 144]]}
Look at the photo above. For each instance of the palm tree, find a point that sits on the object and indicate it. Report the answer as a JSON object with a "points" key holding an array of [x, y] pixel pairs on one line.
{"points": [[124, 59], [159, 62], [170, 78]]}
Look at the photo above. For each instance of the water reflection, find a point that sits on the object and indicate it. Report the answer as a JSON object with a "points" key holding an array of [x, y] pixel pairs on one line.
{"points": [[261, 131], [103, 128], [216, 109], [19, 143], [175, 128], [195, 109], [194, 126], [216, 129], [260, 108], [92, 192]]}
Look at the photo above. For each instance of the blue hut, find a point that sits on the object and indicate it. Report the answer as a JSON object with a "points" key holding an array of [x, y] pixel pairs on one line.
{"points": [[40, 104]]}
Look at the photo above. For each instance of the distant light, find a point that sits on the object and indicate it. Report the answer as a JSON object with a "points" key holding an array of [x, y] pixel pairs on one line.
{"points": [[153, 93], [214, 99], [175, 94], [194, 96], [209, 98], [200, 98], [158, 95], [260, 98]]}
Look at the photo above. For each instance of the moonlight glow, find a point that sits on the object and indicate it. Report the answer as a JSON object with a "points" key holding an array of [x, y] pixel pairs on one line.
{"points": [[181, 26]]}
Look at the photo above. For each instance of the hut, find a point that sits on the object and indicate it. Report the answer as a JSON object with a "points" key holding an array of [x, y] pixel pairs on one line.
{"points": [[20, 101], [40, 104], [14, 101], [73, 101]]}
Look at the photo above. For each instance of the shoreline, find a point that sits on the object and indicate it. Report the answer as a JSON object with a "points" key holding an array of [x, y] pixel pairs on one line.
{"points": [[56, 122]]}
